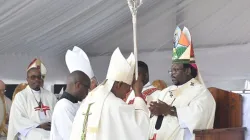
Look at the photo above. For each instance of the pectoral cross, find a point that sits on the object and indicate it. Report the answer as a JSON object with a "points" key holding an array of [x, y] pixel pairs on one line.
{"points": [[87, 113], [42, 108], [171, 94], [191, 84]]}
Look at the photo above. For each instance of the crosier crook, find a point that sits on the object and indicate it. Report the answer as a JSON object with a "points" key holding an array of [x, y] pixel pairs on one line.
{"points": [[133, 6]]}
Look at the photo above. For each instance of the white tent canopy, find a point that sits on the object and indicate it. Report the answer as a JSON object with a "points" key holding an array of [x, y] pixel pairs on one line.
{"points": [[47, 28]]}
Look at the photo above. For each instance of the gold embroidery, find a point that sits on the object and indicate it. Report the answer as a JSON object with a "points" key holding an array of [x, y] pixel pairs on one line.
{"points": [[92, 129], [178, 91]]}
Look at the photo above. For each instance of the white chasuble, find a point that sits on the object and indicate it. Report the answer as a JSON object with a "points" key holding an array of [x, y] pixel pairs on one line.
{"points": [[195, 108], [103, 116], [26, 114]]}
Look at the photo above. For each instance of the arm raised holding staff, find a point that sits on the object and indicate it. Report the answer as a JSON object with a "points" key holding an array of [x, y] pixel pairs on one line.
{"points": [[133, 6]]}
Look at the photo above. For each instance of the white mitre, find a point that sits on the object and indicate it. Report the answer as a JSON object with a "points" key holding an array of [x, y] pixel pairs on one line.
{"points": [[76, 60], [121, 69], [88, 69]]}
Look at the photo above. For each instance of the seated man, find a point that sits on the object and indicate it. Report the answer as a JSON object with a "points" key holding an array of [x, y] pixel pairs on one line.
{"points": [[7, 105], [187, 105], [104, 115], [32, 109], [2, 118]]}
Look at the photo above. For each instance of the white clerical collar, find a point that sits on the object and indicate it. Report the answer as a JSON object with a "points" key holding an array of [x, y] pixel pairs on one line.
{"points": [[34, 91], [179, 86], [147, 85]]}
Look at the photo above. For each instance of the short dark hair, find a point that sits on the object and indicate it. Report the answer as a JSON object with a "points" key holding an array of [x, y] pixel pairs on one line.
{"points": [[143, 66], [193, 70]]}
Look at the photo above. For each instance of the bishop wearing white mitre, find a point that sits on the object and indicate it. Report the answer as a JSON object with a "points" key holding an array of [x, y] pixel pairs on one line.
{"points": [[31, 111], [104, 115]]}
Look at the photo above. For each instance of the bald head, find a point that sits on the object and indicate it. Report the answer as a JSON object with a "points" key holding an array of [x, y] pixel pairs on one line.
{"points": [[1, 83], [2, 87], [77, 76], [78, 84]]}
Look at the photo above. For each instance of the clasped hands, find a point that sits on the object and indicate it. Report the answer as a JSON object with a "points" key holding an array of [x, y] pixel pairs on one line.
{"points": [[45, 126], [159, 108]]}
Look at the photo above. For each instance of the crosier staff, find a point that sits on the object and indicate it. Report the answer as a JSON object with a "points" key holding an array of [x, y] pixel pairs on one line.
{"points": [[133, 6]]}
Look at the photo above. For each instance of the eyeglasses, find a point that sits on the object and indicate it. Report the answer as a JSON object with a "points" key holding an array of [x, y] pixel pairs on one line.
{"points": [[174, 70], [33, 77], [2, 90]]}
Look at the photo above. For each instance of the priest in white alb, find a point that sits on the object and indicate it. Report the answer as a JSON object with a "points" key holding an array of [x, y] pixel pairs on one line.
{"points": [[187, 105], [104, 115], [148, 89], [78, 57], [78, 84], [32, 108]]}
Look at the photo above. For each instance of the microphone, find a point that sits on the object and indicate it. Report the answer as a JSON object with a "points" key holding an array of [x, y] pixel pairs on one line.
{"points": [[159, 122]]}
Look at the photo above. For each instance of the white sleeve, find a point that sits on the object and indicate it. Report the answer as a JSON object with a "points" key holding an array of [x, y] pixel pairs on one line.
{"points": [[20, 118], [62, 121], [141, 114], [25, 131], [181, 122], [198, 113]]}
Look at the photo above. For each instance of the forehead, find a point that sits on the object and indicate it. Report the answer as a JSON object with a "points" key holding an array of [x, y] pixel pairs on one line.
{"points": [[141, 69], [34, 72], [125, 84], [2, 86], [177, 65]]}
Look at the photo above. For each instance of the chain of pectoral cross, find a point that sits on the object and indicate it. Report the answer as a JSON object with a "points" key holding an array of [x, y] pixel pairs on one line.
{"points": [[171, 95], [40, 101]]}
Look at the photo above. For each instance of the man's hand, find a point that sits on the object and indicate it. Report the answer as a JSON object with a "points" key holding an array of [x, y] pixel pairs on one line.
{"points": [[137, 86], [159, 108], [45, 126]]}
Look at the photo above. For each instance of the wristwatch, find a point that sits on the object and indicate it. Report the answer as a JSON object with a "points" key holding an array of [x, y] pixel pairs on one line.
{"points": [[173, 110]]}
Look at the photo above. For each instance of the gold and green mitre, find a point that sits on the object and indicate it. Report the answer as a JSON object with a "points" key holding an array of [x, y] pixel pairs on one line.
{"points": [[183, 51]]}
